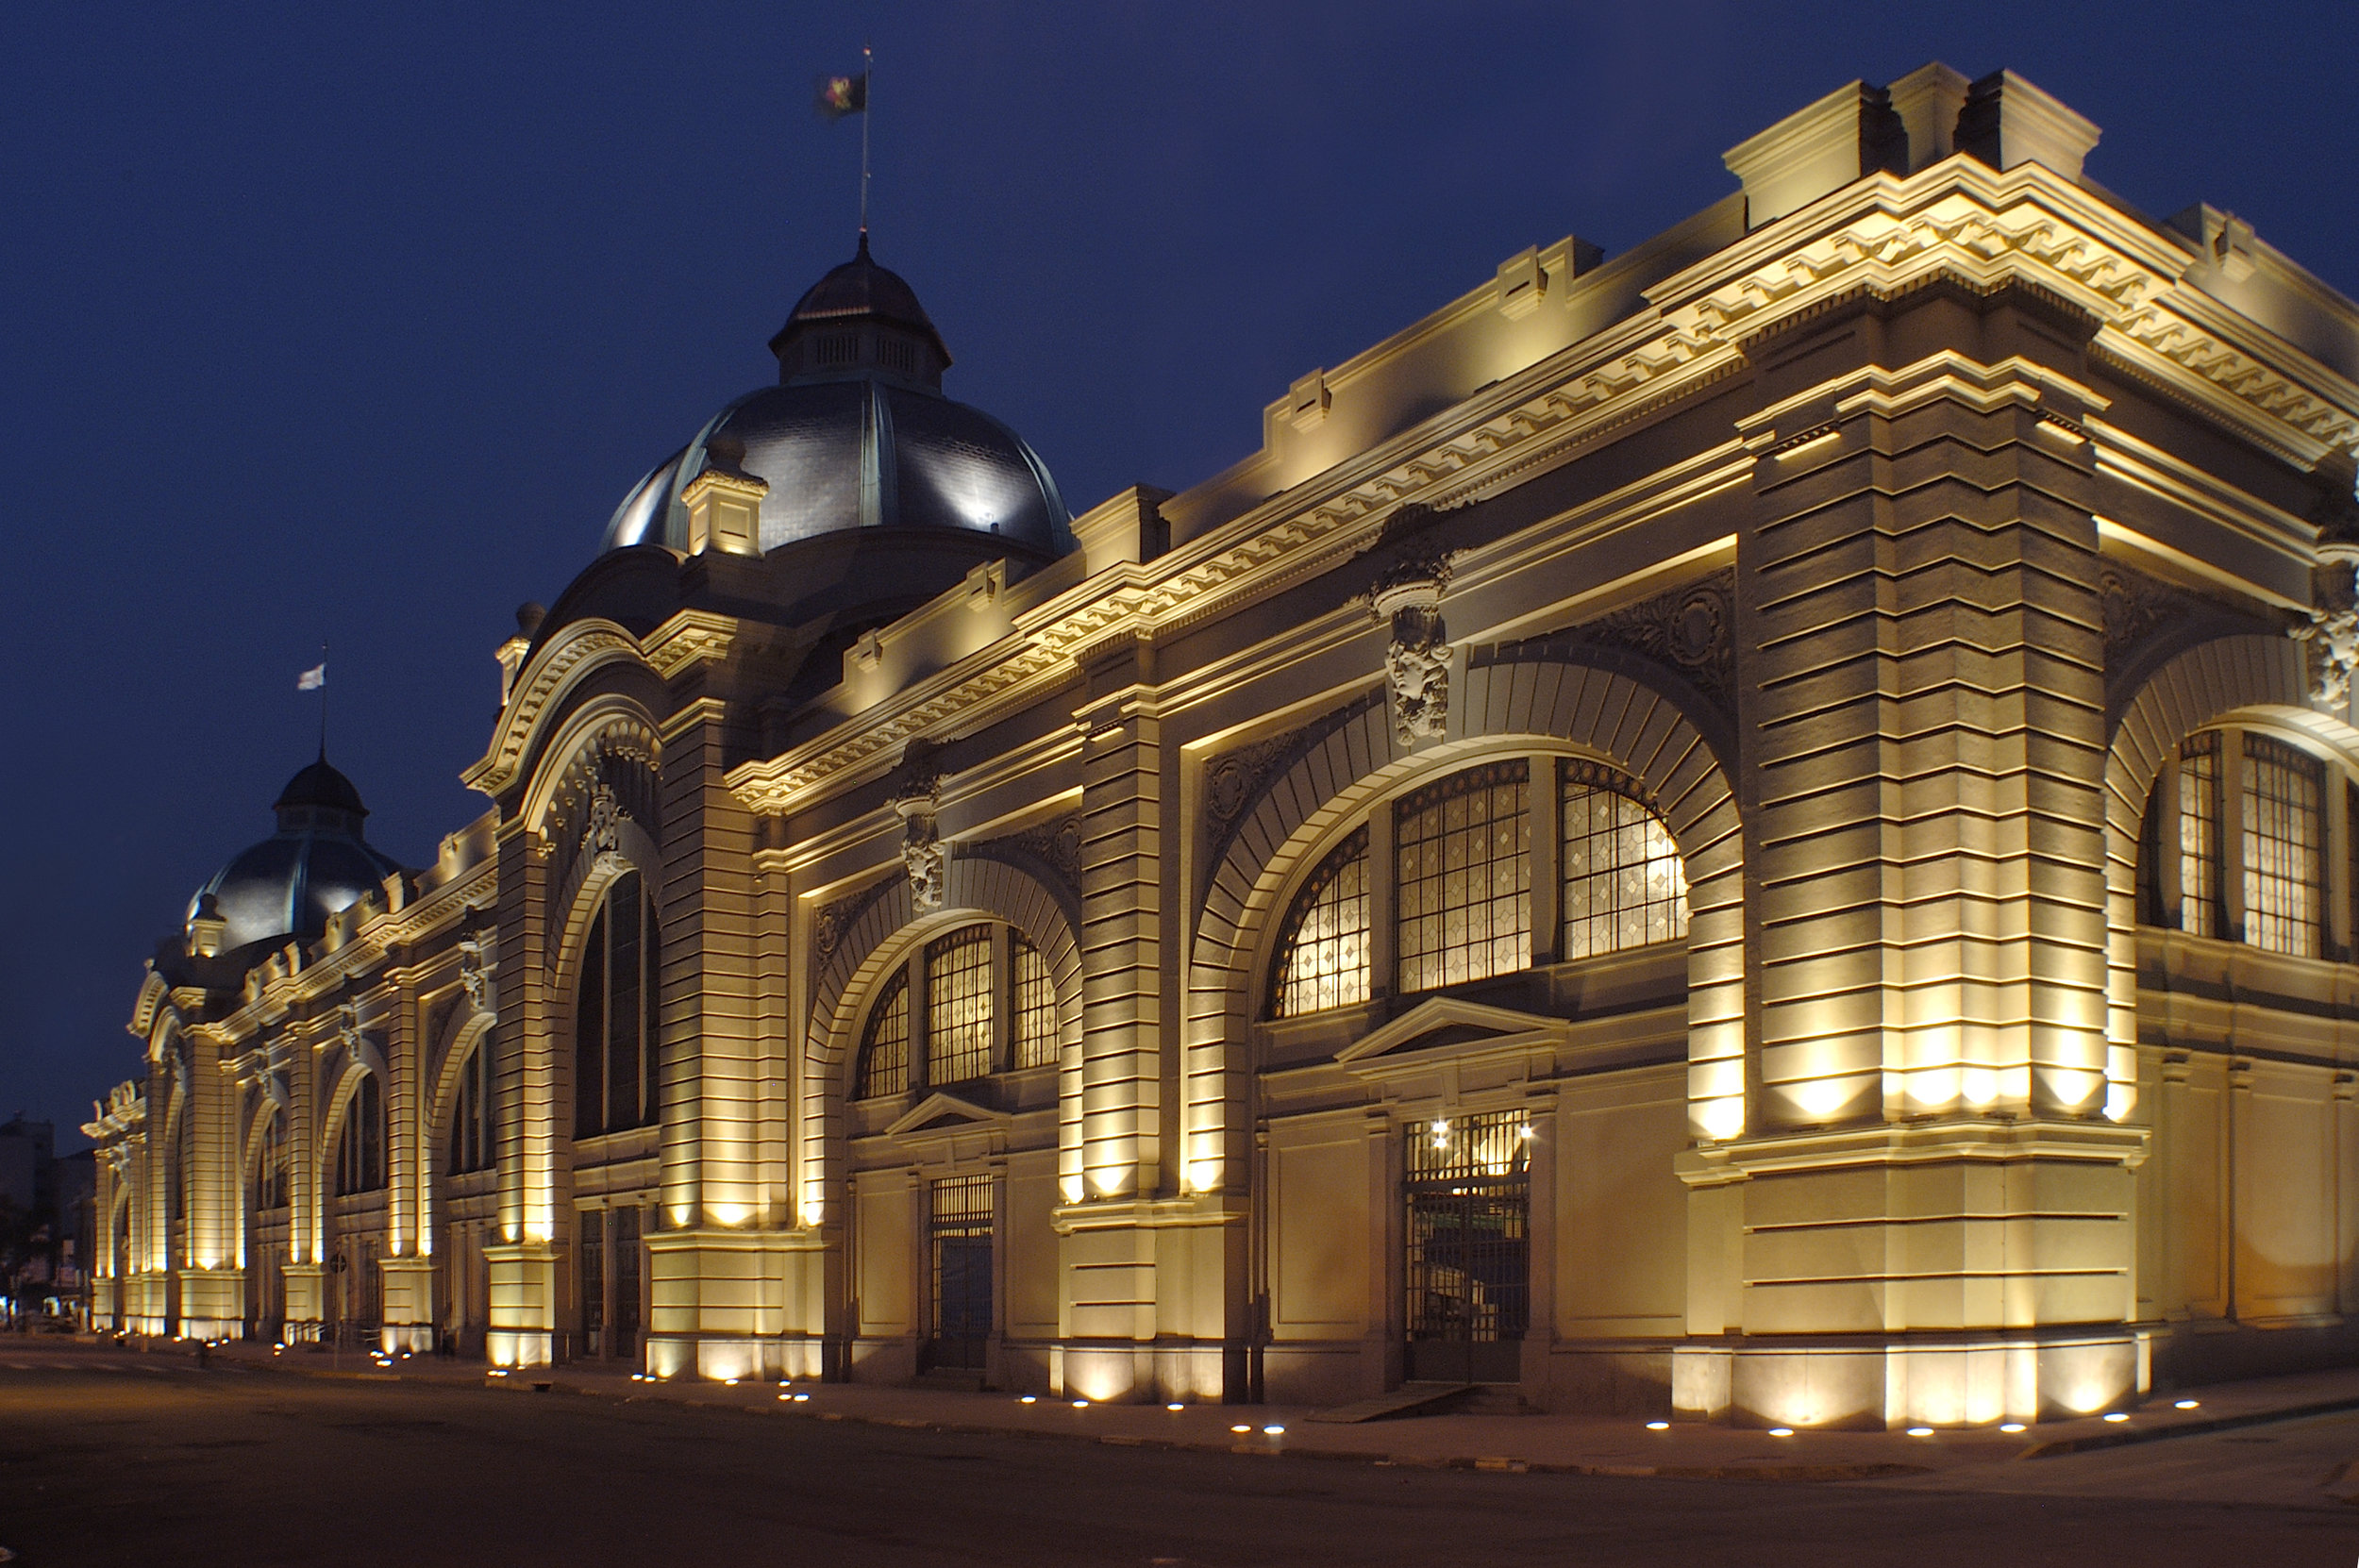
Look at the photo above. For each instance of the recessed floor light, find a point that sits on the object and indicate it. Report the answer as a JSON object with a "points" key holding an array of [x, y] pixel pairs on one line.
{"points": [[1080, 1404], [1027, 1399], [1921, 1431], [2184, 1405], [1658, 1425], [2115, 1415], [1174, 1404], [1241, 1428], [2011, 1426], [1781, 1431], [1273, 1431]]}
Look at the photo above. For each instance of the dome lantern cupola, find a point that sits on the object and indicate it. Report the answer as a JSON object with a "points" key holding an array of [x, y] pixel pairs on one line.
{"points": [[861, 320]]}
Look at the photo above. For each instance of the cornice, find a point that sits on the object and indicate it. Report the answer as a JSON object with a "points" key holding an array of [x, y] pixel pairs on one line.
{"points": [[1881, 236], [573, 654], [691, 637]]}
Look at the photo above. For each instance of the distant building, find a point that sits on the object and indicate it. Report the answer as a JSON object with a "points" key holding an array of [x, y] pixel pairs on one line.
{"points": [[1768, 826]]}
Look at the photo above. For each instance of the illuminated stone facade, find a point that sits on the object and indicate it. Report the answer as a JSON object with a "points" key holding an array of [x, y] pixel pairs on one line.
{"points": [[1763, 828]]}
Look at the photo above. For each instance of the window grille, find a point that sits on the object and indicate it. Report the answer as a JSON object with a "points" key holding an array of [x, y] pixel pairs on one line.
{"points": [[2199, 835], [2284, 839], [1463, 853], [1625, 883], [884, 1051], [1468, 1268], [1036, 1041], [959, 1227], [593, 1272], [1323, 957], [958, 1006]]}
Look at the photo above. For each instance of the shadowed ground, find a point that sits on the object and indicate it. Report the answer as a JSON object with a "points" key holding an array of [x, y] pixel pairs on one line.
{"points": [[110, 1457]]}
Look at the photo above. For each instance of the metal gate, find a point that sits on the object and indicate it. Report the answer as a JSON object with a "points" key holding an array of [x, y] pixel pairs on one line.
{"points": [[1467, 1238], [959, 1236]]}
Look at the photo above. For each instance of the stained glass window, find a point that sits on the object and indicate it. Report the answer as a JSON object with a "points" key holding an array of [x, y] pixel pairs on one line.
{"points": [[1322, 954], [1625, 884], [1463, 858]]}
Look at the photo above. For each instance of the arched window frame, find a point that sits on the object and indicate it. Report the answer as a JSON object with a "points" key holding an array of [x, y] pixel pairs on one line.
{"points": [[360, 1140], [270, 1165], [974, 1001], [1518, 912], [473, 1122], [617, 1061], [2248, 837]]}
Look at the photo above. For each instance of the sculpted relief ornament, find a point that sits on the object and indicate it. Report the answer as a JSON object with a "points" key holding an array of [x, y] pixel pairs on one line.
{"points": [[921, 850], [476, 962], [2333, 633], [1416, 661]]}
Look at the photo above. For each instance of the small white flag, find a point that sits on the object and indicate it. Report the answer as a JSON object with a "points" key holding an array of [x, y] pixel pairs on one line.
{"points": [[313, 679]]}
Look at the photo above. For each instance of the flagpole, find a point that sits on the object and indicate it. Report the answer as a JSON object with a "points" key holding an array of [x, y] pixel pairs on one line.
{"points": [[322, 700], [868, 98]]}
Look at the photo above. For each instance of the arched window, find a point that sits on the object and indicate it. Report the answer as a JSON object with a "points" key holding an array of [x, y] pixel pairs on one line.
{"points": [[2236, 842], [617, 1071], [1324, 944], [1470, 862], [472, 1124], [884, 1050], [964, 1006], [361, 1142], [1625, 884], [270, 1169]]}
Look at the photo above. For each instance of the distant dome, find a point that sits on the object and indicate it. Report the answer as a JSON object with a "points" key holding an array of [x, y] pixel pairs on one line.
{"points": [[316, 864], [858, 435]]}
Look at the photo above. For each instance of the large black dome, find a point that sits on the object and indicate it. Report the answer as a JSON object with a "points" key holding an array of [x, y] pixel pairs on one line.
{"points": [[858, 435], [316, 864]]}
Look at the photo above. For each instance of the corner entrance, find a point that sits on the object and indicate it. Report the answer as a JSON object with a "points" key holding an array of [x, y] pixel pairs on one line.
{"points": [[1468, 1248]]}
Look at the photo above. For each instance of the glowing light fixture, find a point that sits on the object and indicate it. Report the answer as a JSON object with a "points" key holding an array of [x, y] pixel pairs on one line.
{"points": [[2011, 1426], [728, 1382], [1921, 1431], [1781, 1431], [1028, 1399], [2184, 1405], [2115, 1415], [802, 1400], [1273, 1431], [1658, 1425], [1174, 1404], [1241, 1428], [1080, 1404]]}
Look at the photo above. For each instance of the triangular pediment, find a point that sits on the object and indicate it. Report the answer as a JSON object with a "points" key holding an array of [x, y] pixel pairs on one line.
{"points": [[939, 1113], [1453, 1023]]}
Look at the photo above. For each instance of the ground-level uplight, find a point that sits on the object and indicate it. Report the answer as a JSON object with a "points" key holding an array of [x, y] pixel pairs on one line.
{"points": [[1080, 1404], [1921, 1431], [1027, 1399], [1781, 1431], [2184, 1405], [2011, 1426], [1174, 1404], [1658, 1425], [1241, 1428], [2115, 1415], [1273, 1431]]}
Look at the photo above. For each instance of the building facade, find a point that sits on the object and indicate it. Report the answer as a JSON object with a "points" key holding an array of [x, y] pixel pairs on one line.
{"points": [[1766, 828]]}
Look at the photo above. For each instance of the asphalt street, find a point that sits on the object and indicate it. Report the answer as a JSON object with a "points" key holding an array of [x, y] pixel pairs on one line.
{"points": [[110, 1457]]}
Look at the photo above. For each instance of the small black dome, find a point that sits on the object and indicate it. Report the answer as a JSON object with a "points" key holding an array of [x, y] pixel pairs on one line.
{"points": [[858, 435], [321, 785], [316, 864]]}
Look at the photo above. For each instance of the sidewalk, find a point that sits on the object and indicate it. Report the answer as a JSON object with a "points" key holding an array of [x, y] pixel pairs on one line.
{"points": [[1564, 1443]]}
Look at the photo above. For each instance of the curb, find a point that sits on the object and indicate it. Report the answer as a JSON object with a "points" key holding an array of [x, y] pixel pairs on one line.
{"points": [[2195, 1427]]}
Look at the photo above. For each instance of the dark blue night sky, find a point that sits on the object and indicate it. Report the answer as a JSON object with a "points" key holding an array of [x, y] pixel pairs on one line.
{"points": [[355, 323]]}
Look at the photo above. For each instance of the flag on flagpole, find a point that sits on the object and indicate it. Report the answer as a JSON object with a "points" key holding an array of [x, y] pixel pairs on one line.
{"points": [[313, 678], [838, 96]]}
